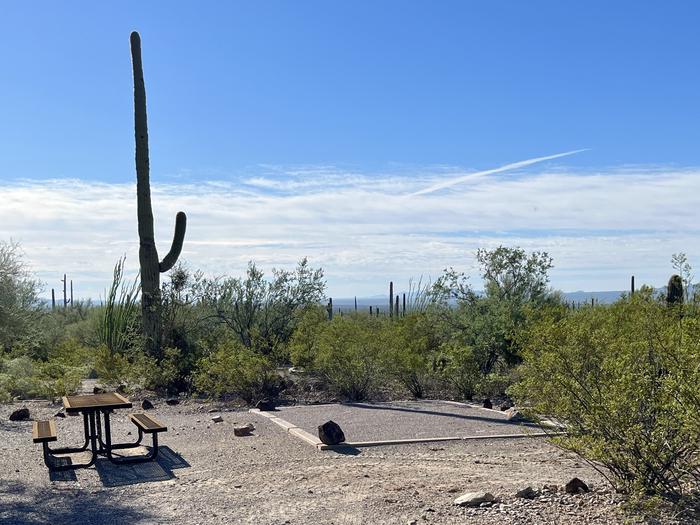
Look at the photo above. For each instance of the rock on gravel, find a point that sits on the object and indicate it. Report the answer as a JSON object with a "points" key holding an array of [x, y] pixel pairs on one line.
{"points": [[245, 430], [330, 433], [146, 404], [265, 405], [98, 390], [474, 499], [217, 419], [21, 414], [576, 486], [172, 401], [526, 493], [487, 403]]}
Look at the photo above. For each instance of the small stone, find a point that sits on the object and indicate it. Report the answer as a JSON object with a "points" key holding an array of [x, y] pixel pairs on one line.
{"points": [[245, 430], [487, 403], [172, 401], [526, 493], [330, 433], [576, 486], [60, 413], [146, 404], [21, 414], [474, 499], [265, 405], [216, 419], [212, 410], [98, 390]]}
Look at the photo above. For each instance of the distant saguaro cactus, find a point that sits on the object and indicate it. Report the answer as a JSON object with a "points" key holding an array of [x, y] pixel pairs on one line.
{"points": [[391, 298], [151, 267], [674, 292]]}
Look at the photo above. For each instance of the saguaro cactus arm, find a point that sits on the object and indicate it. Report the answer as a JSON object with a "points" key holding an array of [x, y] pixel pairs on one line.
{"points": [[178, 238]]}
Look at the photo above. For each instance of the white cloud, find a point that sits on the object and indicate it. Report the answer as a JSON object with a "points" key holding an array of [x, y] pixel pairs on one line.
{"points": [[363, 229]]}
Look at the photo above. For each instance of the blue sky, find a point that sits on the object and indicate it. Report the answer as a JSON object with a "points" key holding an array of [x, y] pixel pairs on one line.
{"points": [[285, 107]]}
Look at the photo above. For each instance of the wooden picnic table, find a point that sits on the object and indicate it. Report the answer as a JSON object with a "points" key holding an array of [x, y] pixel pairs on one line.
{"points": [[96, 409]]}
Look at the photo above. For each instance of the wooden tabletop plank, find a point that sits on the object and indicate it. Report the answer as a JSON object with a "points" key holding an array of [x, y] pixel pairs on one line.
{"points": [[90, 402]]}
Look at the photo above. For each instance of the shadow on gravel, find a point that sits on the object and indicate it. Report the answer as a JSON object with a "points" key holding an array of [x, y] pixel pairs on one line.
{"points": [[23, 505], [345, 451], [161, 469], [497, 420]]}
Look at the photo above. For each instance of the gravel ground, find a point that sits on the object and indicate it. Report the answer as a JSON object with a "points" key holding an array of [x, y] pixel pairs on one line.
{"points": [[206, 475], [404, 420]]}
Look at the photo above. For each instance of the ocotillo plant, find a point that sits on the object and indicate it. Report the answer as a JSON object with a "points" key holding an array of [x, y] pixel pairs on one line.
{"points": [[151, 268], [674, 292]]}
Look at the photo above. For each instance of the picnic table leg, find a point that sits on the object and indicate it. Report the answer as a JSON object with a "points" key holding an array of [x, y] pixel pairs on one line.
{"points": [[134, 459], [90, 436], [114, 446], [72, 450]]}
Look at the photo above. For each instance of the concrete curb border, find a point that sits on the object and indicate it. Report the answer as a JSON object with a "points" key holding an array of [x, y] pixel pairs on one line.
{"points": [[314, 441]]}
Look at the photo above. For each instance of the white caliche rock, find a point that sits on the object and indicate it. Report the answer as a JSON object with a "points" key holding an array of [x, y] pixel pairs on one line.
{"points": [[474, 499]]}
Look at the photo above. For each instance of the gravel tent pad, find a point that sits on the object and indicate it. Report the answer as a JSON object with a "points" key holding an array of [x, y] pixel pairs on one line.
{"points": [[407, 420]]}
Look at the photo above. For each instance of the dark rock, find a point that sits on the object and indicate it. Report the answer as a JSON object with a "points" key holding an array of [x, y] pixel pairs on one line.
{"points": [[330, 433], [245, 430], [60, 413], [507, 404], [98, 390], [265, 405], [576, 486], [487, 403], [21, 414], [121, 389], [526, 493], [215, 419], [146, 404], [172, 401]]}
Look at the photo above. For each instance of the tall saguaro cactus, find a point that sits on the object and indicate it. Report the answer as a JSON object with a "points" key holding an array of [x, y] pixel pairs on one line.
{"points": [[151, 268]]}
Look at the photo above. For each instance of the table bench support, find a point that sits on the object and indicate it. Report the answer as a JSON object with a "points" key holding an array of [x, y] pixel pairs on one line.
{"points": [[128, 459]]}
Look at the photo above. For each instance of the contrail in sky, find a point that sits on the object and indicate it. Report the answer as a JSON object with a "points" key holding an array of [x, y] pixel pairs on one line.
{"points": [[478, 174]]}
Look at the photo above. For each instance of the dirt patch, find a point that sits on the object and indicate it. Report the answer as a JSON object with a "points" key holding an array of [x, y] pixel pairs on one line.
{"points": [[210, 476]]}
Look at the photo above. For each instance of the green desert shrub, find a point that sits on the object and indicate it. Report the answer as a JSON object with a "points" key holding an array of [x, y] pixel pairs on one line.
{"points": [[411, 351], [303, 345], [234, 369], [21, 377], [459, 366], [623, 380], [113, 368], [350, 355]]}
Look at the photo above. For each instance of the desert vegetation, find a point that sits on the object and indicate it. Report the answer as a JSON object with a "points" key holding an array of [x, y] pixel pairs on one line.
{"points": [[620, 378]]}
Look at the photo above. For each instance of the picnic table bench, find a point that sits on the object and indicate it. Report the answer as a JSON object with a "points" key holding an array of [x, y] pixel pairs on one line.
{"points": [[96, 410]]}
